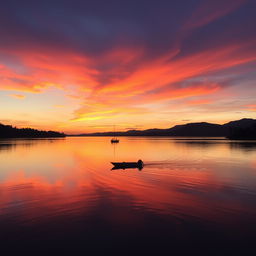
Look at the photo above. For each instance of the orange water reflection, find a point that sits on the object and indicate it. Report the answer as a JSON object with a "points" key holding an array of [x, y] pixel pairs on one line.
{"points": [[209, 180]]}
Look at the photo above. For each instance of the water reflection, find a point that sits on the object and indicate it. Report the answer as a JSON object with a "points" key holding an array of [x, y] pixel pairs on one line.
{"points": [[10, 144], [63, 190], [244, 145], [6, 146], [200, 143]]}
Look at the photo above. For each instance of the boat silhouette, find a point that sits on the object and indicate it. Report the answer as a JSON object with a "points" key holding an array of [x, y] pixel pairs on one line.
{"points": [[128, 165], [115, 139]]}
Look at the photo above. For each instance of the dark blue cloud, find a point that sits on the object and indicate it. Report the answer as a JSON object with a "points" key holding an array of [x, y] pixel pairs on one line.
{"points": [[237, 27], [93, 26]]}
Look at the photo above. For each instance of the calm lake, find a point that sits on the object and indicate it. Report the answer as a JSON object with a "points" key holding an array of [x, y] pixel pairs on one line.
{"points": [[193, 195]]}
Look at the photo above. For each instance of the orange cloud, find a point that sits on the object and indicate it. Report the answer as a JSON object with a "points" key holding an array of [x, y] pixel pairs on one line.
{"points": [[121, 81], [96, 113], [18, 96], [45, 69], [199, 102], [168, 93], [251, 107], [167, 69]]}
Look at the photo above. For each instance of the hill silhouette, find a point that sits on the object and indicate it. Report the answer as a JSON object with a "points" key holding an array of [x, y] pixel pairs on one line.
{"points": [[247, 132], [202, 129], [8, 131]]}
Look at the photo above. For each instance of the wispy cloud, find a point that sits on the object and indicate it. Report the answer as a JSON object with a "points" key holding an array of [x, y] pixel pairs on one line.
{"points": [[18, 96]]}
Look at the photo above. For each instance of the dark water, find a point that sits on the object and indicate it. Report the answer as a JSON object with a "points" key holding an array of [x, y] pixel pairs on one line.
{"points": [[194, 196]]}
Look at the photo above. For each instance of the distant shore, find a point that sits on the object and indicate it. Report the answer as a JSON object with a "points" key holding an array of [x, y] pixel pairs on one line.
{"points": [[8, 131], [156, 136], [244, 128]]}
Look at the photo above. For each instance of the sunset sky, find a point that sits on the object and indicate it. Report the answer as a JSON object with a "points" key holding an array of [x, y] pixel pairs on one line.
{"points": [[84, 66]]}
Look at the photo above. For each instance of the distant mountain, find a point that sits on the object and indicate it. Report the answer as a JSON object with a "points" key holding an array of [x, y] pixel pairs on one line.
{"points": [[243, 129], [198, 129], [8, 131], [202, 129], [243, 123]]}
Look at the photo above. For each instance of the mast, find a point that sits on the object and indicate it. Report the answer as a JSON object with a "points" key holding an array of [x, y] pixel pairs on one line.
{"points": [[114, 131]]}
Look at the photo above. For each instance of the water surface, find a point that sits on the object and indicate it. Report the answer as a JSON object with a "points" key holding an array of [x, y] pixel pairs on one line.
{"points": [[193, 195]]}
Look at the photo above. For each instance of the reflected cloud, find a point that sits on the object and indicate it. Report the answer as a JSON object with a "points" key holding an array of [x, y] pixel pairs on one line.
{"points": [[64, 189], [46, 180]]}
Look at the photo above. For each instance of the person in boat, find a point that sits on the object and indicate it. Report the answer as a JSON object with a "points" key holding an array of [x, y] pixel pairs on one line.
{"points": [[140, 162]]}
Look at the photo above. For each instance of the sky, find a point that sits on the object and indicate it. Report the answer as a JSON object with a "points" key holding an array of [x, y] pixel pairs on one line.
{"points": [[84, 66]]}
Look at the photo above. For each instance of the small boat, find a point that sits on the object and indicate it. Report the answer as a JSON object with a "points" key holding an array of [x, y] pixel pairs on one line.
{"points": [[128, 165], [115, 139]]}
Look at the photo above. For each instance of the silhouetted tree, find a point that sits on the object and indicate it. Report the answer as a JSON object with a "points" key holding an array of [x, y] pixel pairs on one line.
{"points": [[8, 131]]}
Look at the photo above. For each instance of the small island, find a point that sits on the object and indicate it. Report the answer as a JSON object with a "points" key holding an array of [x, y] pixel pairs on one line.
{"points": [[8, 131]]}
